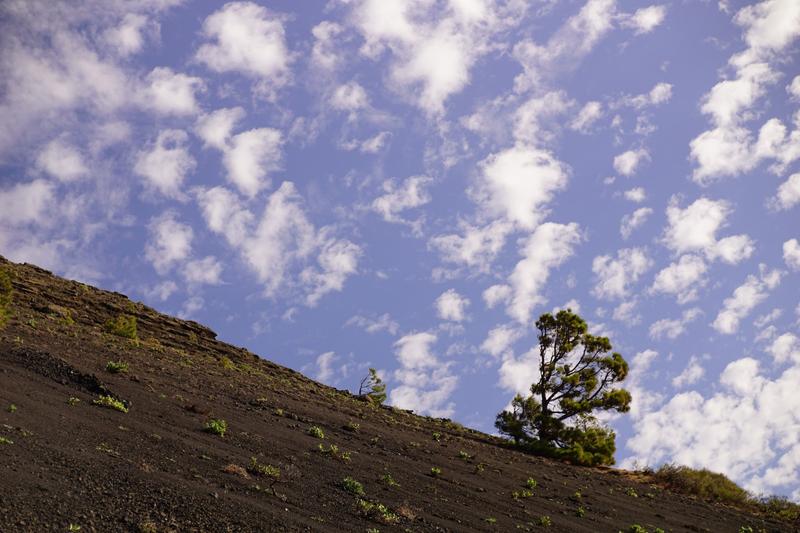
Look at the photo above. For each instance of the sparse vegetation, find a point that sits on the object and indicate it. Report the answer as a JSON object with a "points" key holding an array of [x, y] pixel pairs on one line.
{"points": [[545, 521], [258, 469], [216, 426], [531, 483], [316, 431], [73, 401], [490, 520], [630, 491], [6, 295], [520, 494], [73, 527], [464, 455], [4, 440], [352, 426], [123, 326], [580, 512], [377, 511], [117, 367], [570, 388], [352, 486], [372, 388], [111, 403], [436, 471], [12, 408], [437, 436], [387, 479]]}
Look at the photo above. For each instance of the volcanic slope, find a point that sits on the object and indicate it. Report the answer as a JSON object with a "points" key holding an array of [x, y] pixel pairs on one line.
{"points": [[288, 447]]}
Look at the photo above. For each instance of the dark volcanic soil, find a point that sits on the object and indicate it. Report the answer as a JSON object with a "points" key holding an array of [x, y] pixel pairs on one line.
{"points": [[65, 462]]}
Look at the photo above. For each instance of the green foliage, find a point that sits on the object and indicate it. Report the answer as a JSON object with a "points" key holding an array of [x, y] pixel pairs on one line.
{"points": [[4, 440], [491, 520], [352, 426], [377, 511], [387, 479], [72, 400], [545, 521], [636, 528], [630, 491], [580, 512], [123, 326], [12, 408], [577, 371], [520, 494], [530, 483], [372, 388], [116, 367], [316, 431], [703, 483], [258, 469], [437, 436], [111, 403], [464, 455], [352, 486], [73, 527], [436, 471], [6, 295], [216, 426]]}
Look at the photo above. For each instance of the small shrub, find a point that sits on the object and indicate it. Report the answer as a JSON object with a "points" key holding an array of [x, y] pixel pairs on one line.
{"points": [[352, 426], [73, 527], [4, 440], [236, 470], [117, 367], [111, 403], [258, 469], [123, 326], [545, 521], [630, 491], [12, 408], [436, 471], [437, 436], [490, 520], [464, 455], [352, 486], [530, 483], [378, 511], [520, 494], [372, 388], [73, 401], [316, 431], [387, 479], [216, 426], [580, 512], [227, 364], [6, 294], [703, 483], [636, 528]]}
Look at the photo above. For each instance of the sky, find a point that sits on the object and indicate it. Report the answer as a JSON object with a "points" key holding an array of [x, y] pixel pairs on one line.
{"points": [[408, 185]]}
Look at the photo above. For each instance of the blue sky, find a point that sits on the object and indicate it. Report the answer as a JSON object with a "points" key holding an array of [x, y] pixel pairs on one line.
{"points": [[408, 185]]}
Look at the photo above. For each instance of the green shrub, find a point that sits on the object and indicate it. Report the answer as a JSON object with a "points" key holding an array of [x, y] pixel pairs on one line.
{"points": [[12, 408], [316, 431], [530, 483], [123, 326], [545, 521], [258, 469], [216, 426], [436, 471], [116, 367], [377, 511], [6, 294], [464, 455], [72, 400], [352, 486], [702, 483], [387, 479], [372, 388], [111, 403], [4, 440]]}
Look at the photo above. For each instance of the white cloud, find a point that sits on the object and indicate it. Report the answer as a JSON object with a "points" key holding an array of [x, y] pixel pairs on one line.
{"points": [[62, 161], [626, 163], [170, 242], [349, 97], [690, 375], [518, 373], [373, 325], [126, 38], [496, 294], [738, 430], [325, 53], [206, 271], [744, 299], [661, 93], [785, 348], [632, 221], [791, 254], [682, 278], [535, 121], [166, 164], [616, 277], [646, 19], [566, 48], [162, 291], [626, 312], [587, 116], [500, 339], [477, 248], [215, 128], [25, 203], [224, 215], [337, 261], [425, 383], [411, 193], [673, 328], [452, 306], [171, 93], [191, 307], [548, 247], [251, 157], [637, 195], [518, 182], [733, 249], [794, 88], [788, 194], [248, 39], [325, 368]]}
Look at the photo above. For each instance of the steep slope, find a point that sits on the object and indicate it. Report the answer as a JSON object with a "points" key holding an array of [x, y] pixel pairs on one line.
{"points": [[66, 461]]}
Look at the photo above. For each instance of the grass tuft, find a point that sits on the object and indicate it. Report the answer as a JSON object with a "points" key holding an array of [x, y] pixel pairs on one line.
{"points": [[111, 403]]}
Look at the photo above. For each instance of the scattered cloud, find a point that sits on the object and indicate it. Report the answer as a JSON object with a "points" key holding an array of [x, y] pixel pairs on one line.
{"points": [[615, 277], [672, 328], [425, 383], [628, 162], [745, 298], [452, 306], [630, 222]]}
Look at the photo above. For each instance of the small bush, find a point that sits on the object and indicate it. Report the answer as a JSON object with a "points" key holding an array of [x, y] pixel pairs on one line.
{"points": [[72, 400], [258, 469], [703, 483], [436, 471], [464, 455], [352, 426], [545, 521], [4, 440], [377, 511], [520, 494], [387, 479], [12, 408], [352, 486], [6, 294], [437, 436], [530, 483], [316, 431], [117, 367], [111, 403], [216, 426], [123, 326]]}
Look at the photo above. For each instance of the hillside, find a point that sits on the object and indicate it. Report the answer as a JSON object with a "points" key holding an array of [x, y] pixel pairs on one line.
{"points": [[66, 461]]}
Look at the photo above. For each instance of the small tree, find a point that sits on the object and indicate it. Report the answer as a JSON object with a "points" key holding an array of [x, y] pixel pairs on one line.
{"points": [[576, 375], [372, 388]]}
